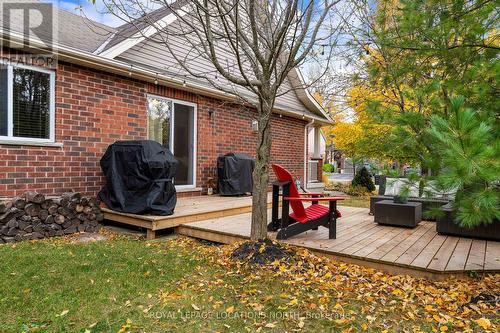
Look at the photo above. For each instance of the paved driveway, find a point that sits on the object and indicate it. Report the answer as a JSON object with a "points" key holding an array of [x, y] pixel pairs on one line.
{"points": [[341, 177]]}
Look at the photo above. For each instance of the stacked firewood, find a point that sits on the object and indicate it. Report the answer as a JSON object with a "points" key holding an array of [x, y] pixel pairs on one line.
{"points": [[33, 216]]}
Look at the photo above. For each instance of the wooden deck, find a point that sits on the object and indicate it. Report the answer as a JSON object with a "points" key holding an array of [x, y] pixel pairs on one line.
{"points": [[418, 252], [187, 210]]}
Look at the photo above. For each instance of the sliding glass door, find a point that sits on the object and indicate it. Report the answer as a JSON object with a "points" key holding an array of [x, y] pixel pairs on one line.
{"points": [[173, 124]]}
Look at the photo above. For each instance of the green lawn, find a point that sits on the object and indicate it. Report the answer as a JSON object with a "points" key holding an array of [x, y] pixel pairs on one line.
{"points": [[128, 285], [363, 202]]}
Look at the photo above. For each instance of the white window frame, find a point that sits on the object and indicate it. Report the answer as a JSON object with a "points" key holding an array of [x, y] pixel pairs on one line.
{"points": [[171, 139], [10, 138]]}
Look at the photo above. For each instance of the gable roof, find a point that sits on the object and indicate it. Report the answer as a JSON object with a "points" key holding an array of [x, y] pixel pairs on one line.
{"points": [[79, 37], [129, 31], [73, 30]]}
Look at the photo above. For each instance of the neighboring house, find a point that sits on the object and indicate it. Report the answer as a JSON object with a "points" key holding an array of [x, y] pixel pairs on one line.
{"points": [[112, 84], [316, 151]]}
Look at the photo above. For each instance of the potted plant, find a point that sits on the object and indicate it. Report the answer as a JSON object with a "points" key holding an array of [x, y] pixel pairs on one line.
{"points": [[447, 223], [406, 187], [402, 196]]}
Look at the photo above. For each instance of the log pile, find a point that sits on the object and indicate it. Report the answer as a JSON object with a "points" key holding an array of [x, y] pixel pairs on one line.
{"points": [[33, 216]]}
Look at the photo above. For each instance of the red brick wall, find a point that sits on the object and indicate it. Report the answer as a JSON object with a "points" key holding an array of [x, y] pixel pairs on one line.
{"points": [[94, 109], [229, 129]]}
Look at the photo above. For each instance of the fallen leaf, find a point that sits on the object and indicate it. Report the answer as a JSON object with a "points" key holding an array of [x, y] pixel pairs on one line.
{"points": [[483, 322], [62, 314]]}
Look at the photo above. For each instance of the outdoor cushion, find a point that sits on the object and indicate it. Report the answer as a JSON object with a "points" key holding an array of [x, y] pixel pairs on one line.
{"points": [[394, 185], [432, 190], [413, 191], [391, 186]]}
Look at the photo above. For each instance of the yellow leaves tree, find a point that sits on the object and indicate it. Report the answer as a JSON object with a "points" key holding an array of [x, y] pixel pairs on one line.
{"points": [[357, 134], [345, 135]]}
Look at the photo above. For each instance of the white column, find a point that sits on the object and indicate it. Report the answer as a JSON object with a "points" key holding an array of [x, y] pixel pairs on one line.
{"points": [[317, 142]]}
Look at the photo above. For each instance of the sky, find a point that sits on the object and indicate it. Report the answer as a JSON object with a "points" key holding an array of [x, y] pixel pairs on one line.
{"points": [[95, 12]]}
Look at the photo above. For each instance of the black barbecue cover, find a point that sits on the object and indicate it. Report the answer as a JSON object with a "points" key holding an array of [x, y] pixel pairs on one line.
{"points": [[235, 174], [139, 178]]}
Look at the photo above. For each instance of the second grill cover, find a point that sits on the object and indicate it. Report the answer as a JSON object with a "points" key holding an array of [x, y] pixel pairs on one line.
{"points": [[139, 178], [235, 174]]}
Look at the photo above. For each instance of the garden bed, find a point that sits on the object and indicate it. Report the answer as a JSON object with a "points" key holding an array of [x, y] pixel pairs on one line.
{"points": [[445, 225]]}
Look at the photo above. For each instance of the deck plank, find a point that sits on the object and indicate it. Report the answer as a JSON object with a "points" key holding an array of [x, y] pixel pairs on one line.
{"points": [[459, 256], [425, 257], [378, 243], [345, 233], [492, 257], [442, 257], [405, 244], [384, 249], [321, 241], [354, 238], [413, 251], [475, 261], [371, 241]]}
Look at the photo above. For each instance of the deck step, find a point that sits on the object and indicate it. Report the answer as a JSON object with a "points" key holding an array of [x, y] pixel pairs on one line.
{"points": [[187, 210]]}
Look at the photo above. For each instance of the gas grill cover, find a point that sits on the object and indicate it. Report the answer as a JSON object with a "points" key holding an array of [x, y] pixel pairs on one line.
{"points": [[235, 174], [139, 178]]}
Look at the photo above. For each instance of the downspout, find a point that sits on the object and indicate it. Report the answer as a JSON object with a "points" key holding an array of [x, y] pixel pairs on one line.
{"points": [[305, 150]]}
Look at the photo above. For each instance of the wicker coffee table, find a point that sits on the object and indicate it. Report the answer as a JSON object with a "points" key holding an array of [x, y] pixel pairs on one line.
{"points": [[402, 215]]}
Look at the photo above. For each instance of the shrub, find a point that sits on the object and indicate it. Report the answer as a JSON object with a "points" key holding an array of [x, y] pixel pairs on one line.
{"points": [[363, 178], [327, 167], [470, 150]]}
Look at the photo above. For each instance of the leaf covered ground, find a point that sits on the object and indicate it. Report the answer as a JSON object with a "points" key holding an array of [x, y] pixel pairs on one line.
{"points": [[182, 285]]}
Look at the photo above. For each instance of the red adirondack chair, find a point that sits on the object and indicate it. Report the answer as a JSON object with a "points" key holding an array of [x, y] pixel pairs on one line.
{"points": [[302, 218]]}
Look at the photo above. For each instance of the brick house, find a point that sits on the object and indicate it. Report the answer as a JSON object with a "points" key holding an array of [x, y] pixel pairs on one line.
{"points": [[56, 120]]}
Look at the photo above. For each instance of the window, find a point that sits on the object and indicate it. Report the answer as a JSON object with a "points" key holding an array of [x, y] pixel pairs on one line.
{"points": [[173, 124], [159, 114], [26, 104]]}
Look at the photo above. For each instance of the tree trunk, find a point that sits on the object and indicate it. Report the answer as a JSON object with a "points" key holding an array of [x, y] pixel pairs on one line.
{"points": [[261, 174]]}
